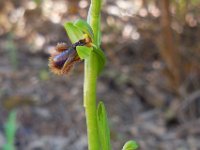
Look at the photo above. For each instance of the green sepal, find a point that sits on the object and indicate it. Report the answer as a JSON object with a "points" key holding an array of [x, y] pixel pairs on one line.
{"points": [[84, 51], [101, 59], [74, 33], [84, 27], [103, 127], [130, 145]]}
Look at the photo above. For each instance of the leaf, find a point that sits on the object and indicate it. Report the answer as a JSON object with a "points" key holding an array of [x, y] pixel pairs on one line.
{"points": [[74, 33], [83, 51], [10, 126], [103, 128], [10, 131], [84, 27], [101, 59], [8, 147], [130, 145]]}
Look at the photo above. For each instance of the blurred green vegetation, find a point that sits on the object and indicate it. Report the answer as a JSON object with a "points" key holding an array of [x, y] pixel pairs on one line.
{"points": [[10, 131]]}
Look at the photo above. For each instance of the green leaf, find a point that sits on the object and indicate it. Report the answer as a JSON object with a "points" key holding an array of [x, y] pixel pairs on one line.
{"points": [[83, 51], [74, 33], [8, 147], [130, 145], [103, 128], [10, 131], [10, 126], [84, 27], [101, 59]]}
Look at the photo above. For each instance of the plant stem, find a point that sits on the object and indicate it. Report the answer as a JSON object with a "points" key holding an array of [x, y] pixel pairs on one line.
{"points": [[90, 102], [90, 79], [95, 19]]}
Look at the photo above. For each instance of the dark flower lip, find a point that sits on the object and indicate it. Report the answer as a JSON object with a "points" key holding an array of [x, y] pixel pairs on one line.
{"points": [[63, 60]]}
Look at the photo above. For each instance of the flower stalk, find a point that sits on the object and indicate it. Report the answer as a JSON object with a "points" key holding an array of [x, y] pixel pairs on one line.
{"points": [[90, 79], [94, 19]]}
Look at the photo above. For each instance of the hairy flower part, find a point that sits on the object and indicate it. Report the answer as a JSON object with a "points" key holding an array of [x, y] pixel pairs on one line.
{"points": [[62, 61], [60, 47]]}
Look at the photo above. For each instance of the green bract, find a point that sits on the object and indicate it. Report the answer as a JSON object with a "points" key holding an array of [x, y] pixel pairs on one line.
{"points": [[103, 128], [130, 145], [101, 58]]}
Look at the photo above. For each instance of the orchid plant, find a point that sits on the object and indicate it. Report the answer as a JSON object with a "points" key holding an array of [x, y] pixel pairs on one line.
{"points": [[86, 39]]}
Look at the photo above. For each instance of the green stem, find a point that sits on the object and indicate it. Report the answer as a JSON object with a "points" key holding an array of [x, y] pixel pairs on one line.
{"points": [[95, 19], [90, 102], [90, 79]]}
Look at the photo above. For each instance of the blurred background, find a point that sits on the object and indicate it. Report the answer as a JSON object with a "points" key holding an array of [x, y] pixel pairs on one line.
{"points": [[150, 85]]}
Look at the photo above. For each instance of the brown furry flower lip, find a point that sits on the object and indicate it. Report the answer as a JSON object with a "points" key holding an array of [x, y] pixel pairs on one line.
{"points": [[62, 61]]}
